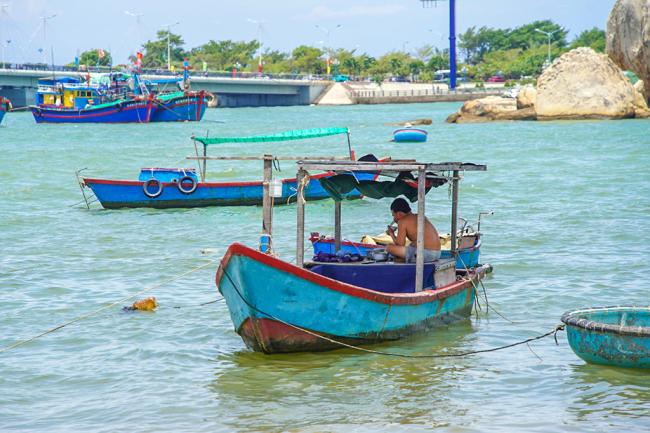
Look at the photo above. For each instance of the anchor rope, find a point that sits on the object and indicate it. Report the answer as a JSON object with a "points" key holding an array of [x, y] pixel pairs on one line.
{"points": [[98, 310], [553, 332]]}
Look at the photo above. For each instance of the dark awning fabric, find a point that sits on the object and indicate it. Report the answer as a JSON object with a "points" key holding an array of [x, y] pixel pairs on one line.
{"points": [[339, 185]]}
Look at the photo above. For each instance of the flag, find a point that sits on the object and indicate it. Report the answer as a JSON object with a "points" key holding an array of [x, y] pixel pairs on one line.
{"points": [[101, 53], [138, 55]]}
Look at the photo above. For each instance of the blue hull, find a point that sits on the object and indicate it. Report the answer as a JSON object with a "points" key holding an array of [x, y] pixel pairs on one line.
{"points": [[127, 112], [467, 258], [616, 336], [278, 307], [113, 194], [2, 115], [182, 109], [410, 135]]}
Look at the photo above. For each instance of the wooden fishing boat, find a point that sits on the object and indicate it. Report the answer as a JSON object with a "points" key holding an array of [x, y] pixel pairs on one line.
{"points": [[617, 336], [72, 100], [276, 306], [410, 134], [180, 105], [163, 188]]}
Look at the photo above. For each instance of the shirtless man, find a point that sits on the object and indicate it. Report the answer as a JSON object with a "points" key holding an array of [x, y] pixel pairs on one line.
{"points": [[407, 227]]}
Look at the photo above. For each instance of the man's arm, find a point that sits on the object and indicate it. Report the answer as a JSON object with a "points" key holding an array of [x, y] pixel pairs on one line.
{"points": [[400, 239]]}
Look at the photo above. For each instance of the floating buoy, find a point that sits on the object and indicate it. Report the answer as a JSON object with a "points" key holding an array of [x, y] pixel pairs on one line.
{"points": [[147, 304]]}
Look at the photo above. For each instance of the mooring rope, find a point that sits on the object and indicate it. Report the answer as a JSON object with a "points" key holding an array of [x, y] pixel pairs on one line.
{"points": [[112, 304], [379, 352]]}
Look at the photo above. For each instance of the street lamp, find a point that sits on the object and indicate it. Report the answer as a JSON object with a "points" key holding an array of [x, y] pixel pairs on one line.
{"points": [[260, 64], [328, 48], [169, 49], [3, 9], [44, 35], [548, 35]]}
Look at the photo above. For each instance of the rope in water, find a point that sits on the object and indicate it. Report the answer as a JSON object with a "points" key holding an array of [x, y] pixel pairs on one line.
{"points": [[379, 352], [112, 304]]}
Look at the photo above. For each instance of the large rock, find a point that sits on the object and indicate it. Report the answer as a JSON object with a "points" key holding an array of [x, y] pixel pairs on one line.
{"points": [[526, 97], [491, 108], [583, 84], [628, 37]]}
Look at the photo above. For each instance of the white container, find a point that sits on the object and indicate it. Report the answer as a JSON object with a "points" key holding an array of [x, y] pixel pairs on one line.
{"points": [[445, 272], [275, 188]]}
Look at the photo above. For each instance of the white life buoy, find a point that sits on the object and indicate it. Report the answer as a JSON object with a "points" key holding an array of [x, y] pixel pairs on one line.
{"points": [[184, 180], [150, 183]]}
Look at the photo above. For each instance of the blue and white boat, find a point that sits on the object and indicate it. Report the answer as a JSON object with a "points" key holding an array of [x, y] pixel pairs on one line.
{"points": [[163, 188], [277, 306], [5, 106], [409, 134]]}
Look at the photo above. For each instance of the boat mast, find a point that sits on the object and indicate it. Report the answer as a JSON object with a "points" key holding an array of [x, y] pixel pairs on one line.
{"points": [[419, 254], [300, 220], [454, 212], [267, 207]]}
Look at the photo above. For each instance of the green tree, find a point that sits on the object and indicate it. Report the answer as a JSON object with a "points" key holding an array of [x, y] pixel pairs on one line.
{"points": [[594, 38], [155, 52], [308, 60], [223, 55], [91, 58]]}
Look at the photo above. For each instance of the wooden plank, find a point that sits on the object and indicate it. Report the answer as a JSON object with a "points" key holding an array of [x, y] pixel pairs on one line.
{"points": [[454, 213], [337, 225], [300, 223], [267, 208], [419, 259], [388, 166], [259, 158]]}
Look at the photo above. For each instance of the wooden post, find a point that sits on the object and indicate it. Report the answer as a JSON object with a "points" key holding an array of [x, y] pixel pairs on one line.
{"points": [[300, 223], [337, 225], [349, 145], [419, 258], [205, 161], [267, 209], [454, 213], [196, 150]]}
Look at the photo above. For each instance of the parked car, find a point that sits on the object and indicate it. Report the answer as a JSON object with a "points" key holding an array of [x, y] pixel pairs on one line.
{"points": [[341, 78], [399, 79], [496, 79]]}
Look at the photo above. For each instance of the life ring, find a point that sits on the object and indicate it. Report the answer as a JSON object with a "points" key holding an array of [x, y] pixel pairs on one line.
{"points": [[186, 179], [149, 183]]}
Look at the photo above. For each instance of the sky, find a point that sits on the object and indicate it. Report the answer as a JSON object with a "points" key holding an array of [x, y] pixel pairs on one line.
{"points": [[371, 26]]}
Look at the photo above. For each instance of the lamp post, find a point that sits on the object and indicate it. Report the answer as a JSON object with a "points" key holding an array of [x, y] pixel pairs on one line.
{"points": [[3, 9], [45, 19], [260, 63], [328, 49], [548, 35], [452, 39], [169, 49]]}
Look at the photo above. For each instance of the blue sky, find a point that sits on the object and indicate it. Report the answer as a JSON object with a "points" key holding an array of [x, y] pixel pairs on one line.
{"points": [[372, 26]]}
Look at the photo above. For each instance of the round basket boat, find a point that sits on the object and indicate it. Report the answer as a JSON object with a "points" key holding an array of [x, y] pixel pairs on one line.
{"points": [[618, 336]]}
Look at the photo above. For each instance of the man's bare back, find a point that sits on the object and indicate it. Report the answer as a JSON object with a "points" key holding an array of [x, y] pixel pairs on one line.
{"points": [[409, 225]]}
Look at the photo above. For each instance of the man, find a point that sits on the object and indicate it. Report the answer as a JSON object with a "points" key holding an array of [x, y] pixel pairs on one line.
{"points": [[407, 228]]}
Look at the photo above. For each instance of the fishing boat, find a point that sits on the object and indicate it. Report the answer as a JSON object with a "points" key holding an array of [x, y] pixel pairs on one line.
{"points": [[277, 306], [616, 336], [72, 100], [5, 106], [409, 134], [163, 188], [179, 105]]}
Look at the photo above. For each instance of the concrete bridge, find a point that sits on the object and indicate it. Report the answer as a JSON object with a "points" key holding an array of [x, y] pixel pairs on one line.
{"points": [[20, 86]]}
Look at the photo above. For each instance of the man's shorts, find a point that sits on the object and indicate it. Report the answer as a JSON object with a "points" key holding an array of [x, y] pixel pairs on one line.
{"points": [[429, 255]]}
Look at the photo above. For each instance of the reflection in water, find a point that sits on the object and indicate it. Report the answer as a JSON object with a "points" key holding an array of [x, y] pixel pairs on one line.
{"points": [[619, 394], [295, 389]]}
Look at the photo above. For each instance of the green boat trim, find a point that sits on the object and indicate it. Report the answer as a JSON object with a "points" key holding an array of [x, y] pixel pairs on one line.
{"points": [[297, 134]]}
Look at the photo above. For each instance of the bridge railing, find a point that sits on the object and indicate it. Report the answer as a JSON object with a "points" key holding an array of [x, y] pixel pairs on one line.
{"points": [[437, 91]]}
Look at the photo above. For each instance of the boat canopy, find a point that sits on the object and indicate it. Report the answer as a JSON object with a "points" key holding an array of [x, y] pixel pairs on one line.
{"points": [[404, 184], [297, 134]]}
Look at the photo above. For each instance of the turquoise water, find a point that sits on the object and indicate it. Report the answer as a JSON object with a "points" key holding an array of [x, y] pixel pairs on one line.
{"points": [[571, 206]]}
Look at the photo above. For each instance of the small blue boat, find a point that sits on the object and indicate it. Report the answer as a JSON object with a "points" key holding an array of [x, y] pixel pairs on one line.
{"points": [[409, 134], [5, 106], [617, 336], [163, 188], [277, 306]]}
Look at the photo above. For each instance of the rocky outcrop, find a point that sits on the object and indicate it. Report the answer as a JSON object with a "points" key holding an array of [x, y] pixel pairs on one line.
{"points": [[628, 36], [526, 97], [489, 109], [411, 122], [583, 84]]}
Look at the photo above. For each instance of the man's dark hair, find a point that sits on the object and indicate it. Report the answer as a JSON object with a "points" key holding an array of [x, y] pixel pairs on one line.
{"points": [[400, 205]]}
